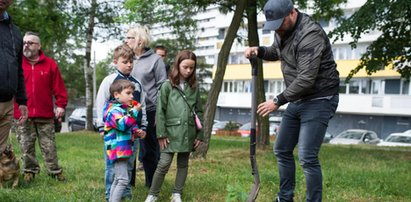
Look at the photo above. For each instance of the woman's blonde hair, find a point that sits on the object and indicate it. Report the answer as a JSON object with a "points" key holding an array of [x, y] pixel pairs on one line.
{"points": [[142, 34]]}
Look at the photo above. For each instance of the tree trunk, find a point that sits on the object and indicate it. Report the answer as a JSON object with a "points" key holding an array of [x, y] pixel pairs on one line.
{"points": [[87, 69], [222, 61], [263, 136]]}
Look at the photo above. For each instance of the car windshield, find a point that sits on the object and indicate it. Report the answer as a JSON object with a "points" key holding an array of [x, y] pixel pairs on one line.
{"points": [[398, 138], [220, 124], [351, 135], [246, 126]]}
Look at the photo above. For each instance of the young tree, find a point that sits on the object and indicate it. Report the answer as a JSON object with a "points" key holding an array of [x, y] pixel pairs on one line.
{"points": [[222, 61], [393, 46], [263, 138]]}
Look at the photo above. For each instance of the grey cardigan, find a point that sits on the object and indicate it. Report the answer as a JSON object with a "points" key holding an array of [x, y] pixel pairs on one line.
{"points": [[150, 70]]}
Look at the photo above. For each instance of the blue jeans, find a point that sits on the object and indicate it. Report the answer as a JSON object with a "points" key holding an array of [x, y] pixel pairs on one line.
{"points": [[303, 123], [109, 172]]}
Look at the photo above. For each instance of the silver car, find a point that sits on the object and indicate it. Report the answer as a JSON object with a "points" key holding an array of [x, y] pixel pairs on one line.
{"points": [[397, 139], [356, 136]]}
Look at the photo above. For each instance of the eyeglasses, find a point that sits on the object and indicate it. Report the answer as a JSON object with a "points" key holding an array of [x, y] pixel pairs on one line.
{"points": [[130, 37], [29, 43]]}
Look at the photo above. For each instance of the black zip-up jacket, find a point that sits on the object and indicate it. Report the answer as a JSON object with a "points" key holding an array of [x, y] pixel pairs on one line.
{"points": [[11, 72], [307, 62]]}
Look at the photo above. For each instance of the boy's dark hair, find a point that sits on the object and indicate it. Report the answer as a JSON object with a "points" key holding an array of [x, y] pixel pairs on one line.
{"points": [[123, 51], [119, 85], [174, 75], [160, 47]]}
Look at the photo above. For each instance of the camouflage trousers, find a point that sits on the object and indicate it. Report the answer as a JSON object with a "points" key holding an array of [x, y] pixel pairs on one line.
{"points": [[43, 130]]}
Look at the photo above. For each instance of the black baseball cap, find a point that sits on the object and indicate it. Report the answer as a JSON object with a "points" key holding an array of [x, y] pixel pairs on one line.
{"points": [[275, 11]]}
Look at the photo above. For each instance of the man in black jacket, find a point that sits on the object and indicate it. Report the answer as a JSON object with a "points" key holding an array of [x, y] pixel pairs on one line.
{"points": [[312, 84], [11, 73]]}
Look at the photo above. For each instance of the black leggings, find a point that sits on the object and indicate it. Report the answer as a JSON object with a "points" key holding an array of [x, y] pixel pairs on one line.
{"points": [[151, 149]]}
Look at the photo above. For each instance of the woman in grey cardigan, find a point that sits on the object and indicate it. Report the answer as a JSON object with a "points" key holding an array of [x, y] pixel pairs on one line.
{"points": [[149, 69]]}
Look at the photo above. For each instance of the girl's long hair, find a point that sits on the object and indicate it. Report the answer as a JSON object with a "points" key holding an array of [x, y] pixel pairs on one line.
{"points": [[174, 75]]}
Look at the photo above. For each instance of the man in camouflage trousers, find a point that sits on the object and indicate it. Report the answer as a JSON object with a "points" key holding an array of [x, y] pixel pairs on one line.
{"points": [[45, 88]]}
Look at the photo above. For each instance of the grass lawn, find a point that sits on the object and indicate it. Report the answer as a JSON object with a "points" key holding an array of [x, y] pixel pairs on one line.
{"points": [[351, 173]]}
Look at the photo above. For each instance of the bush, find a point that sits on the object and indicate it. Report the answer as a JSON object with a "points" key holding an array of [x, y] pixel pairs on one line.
{"points": [[231, 126]]}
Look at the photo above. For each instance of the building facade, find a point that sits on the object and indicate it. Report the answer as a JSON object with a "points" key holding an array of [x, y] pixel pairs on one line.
{"points": [[380, 102]]}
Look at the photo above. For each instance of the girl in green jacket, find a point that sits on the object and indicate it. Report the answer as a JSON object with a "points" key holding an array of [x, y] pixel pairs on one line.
{"points": [[178, 105]]}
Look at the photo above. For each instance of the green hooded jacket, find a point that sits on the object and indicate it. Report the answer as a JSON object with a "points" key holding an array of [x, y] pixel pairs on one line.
{"points": [[174, 118]]}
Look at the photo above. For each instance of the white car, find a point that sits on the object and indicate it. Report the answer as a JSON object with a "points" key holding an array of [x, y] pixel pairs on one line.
{"points": [[356, 136], [397, 139], [407, 131]]}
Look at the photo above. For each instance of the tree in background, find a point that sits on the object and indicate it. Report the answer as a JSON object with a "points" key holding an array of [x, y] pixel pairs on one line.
{"points": [[67, 29], [93, 19], [52, 22], [392, 47], [176, 15]]}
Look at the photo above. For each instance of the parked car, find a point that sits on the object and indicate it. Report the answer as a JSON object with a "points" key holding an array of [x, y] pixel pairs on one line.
{"points": [[356, 136], [407, 131], [274, 124], [222, 124], [274, 128], [77, 119], [397, 139], [327, 137], [244, 130]]}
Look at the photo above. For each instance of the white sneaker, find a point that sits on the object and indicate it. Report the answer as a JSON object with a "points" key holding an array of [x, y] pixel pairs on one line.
{"points": [[151, 198], [176, 197]]}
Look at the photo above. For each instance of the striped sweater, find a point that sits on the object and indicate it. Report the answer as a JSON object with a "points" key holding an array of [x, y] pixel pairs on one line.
{"points": [[119, 126]]}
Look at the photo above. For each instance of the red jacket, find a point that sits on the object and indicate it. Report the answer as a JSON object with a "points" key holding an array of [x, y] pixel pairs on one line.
{"points": [[43, 83]]}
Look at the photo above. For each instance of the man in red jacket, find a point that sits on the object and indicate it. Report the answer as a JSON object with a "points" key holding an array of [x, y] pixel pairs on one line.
{"points": [[44, 85]]}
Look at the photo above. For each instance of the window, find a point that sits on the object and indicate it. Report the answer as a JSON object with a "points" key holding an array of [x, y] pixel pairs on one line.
{"points": [[375, 86], [225, 87], [240, 86], [405, 87], [266, 31], [221, 33], [365, 86], [354, 87], [247, 86], [234, 59], [271, 87], [392, 86], [343, 87], [235, 87], [280, 87]]}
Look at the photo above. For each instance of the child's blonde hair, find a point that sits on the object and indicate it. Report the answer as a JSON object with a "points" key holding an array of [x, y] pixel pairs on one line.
{"points": [[119, 85], [123, 51]]}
